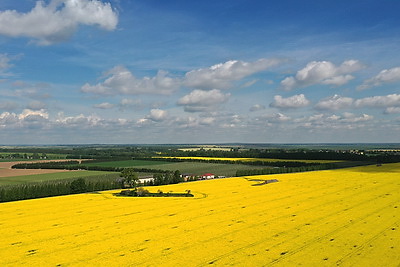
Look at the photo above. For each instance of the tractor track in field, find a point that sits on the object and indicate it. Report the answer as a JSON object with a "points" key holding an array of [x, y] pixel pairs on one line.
{"points": [[368, 242], [308, 243], [318, 239]]}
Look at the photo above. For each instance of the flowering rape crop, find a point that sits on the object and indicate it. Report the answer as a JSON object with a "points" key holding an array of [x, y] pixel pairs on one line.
{"points": [[347, 217]]}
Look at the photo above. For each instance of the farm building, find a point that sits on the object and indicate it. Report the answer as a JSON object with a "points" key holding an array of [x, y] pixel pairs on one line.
{"points": [[207, 176], [188, 176], [144, 180]]}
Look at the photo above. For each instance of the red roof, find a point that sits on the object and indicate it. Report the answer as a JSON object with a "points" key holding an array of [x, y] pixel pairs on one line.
{"points": [[208, 174]]}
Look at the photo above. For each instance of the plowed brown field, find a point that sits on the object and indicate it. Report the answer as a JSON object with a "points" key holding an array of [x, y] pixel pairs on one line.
{"points": [[6, 171]]}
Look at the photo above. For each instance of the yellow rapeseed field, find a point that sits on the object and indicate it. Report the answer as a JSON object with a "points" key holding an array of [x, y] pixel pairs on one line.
{"points": [[348, 217], [259, 159]]}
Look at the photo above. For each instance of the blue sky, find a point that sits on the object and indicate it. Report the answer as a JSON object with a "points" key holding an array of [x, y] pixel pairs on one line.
{"points": [[91, 71]]}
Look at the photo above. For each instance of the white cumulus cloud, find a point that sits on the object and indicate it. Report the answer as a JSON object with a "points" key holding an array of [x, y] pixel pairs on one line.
{"points": [[58, 20], [338, 80], [193, 122], [392, 100], [27, 118], [157, 115], [200, 100], [345, 121], [385, 76], [296, 101], [352, 118], [276, 118], [221, 76], [7, 119], [335, 102], [392, 110], [28, 114], [322, 72], [119, 80], [80, 121]]}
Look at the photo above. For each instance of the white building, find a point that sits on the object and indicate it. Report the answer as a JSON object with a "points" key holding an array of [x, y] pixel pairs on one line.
{"points": [[207, 176]]}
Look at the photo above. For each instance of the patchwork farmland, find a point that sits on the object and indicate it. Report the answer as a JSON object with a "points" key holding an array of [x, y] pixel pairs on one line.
{"points": [[184, 167], [9, 176], [341, 217], [51, 175]]}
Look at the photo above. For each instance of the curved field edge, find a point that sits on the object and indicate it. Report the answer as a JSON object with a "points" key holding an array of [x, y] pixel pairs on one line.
{"points": [[346, 217]]}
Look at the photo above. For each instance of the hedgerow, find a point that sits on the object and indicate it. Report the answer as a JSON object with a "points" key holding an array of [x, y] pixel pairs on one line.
{"points": [[58, 187]]}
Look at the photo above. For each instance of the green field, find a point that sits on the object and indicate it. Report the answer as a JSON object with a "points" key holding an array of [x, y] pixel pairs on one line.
{"points": [[11, 160], [128, 163], [53, 176], [196, 168]]}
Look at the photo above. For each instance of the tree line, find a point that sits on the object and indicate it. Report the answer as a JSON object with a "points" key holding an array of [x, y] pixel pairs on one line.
{"points": [[299, 154], [167, 178], [123, 152], [74, 165], [253, 162], [130, 178], [57, 188], [278, 170]]}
